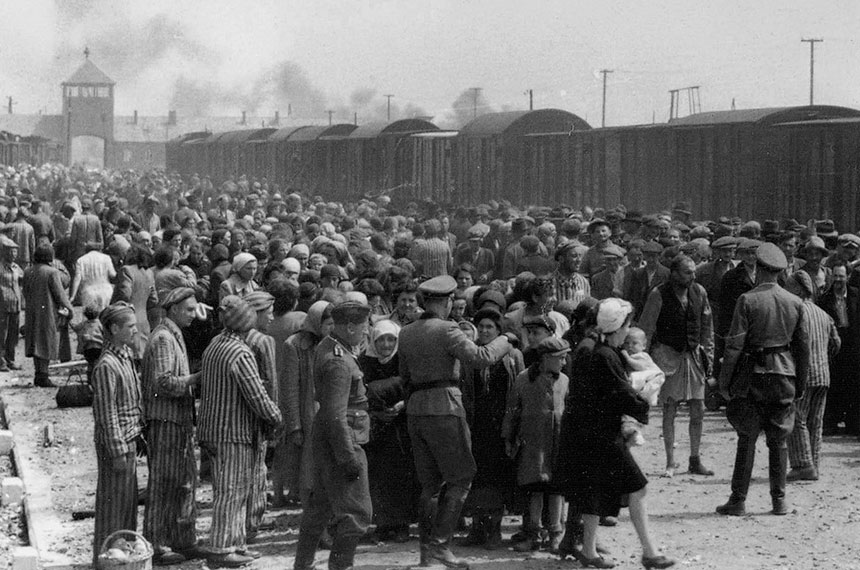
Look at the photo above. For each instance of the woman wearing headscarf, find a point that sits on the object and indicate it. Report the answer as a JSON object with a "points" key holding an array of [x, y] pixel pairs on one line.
{"points": [[297, 398], [599, 469], [485, 397], [44, 296], [302, 252], [393, 489], [241, 280]]}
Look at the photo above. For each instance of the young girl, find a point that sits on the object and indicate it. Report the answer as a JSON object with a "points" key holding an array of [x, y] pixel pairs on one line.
{"points": [[645, 377], [531, 432], [90, 336]]}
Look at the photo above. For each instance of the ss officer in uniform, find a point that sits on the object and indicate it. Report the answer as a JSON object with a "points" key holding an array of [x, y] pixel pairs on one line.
{"points": [[764, 371], [340, 490], [431, 351]]}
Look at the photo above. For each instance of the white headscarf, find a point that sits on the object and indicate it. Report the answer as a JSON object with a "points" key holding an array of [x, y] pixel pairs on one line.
{"points": [[611, 314], [382, 328]]}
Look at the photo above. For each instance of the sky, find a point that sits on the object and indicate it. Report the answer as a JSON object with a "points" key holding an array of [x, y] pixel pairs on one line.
{"points": [[220, 57]]}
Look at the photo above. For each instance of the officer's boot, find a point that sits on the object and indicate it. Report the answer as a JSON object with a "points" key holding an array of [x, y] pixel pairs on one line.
{"points": [[342, 552], [777, 467], [425, 528], [439, 550], [744, 458], [306, 550]]}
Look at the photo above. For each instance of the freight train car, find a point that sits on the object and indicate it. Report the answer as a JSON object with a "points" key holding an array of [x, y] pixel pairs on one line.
{"points": [[490, 160], [758, 163]]}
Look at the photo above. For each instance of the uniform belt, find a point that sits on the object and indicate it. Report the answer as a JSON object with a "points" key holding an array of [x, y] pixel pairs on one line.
{"points": [[431, 385], [758, 354]]}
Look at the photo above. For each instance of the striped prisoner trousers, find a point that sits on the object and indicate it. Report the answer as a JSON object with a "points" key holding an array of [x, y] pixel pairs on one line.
{"points": [[116, 497], [171, 509], [257, 500], [804, 443], [232, 480]]}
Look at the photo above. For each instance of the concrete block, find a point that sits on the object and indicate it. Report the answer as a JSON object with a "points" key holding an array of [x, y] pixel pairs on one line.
{"points": [[13, 490], [6, 441], [25, 558]]}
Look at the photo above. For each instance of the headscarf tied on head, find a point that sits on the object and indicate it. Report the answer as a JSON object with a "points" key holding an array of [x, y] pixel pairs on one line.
{"points": [[380, 329], [313, 320], [612, 314], [241, 260]]}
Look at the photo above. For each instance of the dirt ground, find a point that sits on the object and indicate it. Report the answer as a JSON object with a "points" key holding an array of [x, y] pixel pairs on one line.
{"points": [[822, 532]]}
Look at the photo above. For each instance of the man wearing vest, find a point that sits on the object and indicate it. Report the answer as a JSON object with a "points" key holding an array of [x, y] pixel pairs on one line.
{"points": [[678, 323]]}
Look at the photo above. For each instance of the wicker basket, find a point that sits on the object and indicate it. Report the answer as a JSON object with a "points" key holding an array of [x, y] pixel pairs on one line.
{"points": [[142, 563]]}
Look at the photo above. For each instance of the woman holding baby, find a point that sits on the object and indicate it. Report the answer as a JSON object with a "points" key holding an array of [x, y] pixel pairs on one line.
{"points": [[598, 470]]}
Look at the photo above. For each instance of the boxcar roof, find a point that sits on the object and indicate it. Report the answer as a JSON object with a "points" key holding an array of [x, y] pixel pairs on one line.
{"points": [[372, 130], [766, 116], [517, 123]]}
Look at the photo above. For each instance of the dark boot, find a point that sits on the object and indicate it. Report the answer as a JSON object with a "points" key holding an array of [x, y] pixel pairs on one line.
{"points": [[572, 533], [493, 530], [306, 550], [425, 529], [777, 468], [696, 467], [443, 529], [342, 552], [477, 533], [744, 461]]}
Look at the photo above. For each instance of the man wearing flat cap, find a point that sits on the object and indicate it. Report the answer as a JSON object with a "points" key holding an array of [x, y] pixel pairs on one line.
{"points": [[710, 276], [168, 385], [263, 347], [341, 492], [593, 261], [431, 350], [609, 282], [473, 252], [764, 372], [235, 412], [652, 275], [814, 253], [735, 283]]}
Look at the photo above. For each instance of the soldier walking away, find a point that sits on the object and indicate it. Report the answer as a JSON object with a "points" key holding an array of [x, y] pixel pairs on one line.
{"points": [[764, 372], [341, 492], [431, 350]]}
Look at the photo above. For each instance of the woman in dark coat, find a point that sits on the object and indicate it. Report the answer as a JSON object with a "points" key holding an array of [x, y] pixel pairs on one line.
{"points": [[391, 470], [598, 470], [485, 397], [44, 296]]}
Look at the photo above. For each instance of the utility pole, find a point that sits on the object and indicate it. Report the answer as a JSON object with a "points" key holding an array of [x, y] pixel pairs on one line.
{"points": [[604, 72], [531, 100], [11, 102], [330, 113], [811, 42], [389, 106], [476, 91]]}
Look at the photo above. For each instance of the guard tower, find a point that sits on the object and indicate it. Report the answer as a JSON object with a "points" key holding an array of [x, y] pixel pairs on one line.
{"points": [[88, 115]]}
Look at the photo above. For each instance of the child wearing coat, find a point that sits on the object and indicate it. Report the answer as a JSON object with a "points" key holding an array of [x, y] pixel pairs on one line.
{"points": [[531, 432]]}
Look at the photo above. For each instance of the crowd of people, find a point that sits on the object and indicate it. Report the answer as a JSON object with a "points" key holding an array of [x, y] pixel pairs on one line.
{"points": [[387, 362]]}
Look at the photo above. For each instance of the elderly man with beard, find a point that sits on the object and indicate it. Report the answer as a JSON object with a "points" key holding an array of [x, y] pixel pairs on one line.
{"points": [[171, 511], [678, 324], [568, 283], [235, 411]]}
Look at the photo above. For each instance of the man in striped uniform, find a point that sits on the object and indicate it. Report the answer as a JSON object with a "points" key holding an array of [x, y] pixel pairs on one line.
{"points": [[118, 425], [341, 493], [171, 511], [263, 347], [235, 411], [804, 443]]}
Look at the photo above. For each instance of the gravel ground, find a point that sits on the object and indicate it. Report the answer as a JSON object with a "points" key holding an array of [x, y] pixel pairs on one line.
{"points": [[822, 532]]}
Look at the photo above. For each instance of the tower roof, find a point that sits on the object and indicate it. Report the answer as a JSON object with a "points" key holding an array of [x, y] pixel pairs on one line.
{"points": [[89, 74]]}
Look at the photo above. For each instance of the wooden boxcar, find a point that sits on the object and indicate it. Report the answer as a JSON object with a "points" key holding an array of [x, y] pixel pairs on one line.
{"points": [[372, 151], [432, 174], [490, 155]]}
